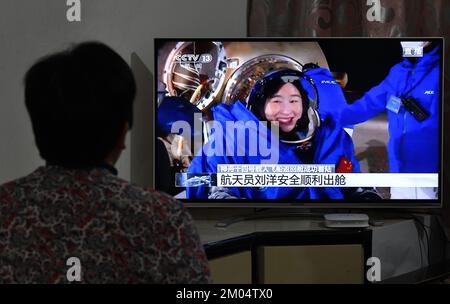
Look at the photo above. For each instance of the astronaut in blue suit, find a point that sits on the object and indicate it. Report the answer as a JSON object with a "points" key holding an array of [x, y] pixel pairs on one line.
{"points": [[280, 98], [413, 145]]}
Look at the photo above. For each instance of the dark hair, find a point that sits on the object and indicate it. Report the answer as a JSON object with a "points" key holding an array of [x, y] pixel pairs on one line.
{"points": [[271, 88], [79, 101]]}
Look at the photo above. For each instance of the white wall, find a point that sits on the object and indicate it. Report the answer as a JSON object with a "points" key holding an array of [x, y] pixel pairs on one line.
{"points": [[31, 29]]}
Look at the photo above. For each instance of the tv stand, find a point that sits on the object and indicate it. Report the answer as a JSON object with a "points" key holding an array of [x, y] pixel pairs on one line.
{"points": [[283, 241]]}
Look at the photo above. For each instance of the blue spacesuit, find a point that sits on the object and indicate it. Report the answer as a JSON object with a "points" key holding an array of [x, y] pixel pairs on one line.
{"points": [[413, 145], [330, 143], [332, 98]]}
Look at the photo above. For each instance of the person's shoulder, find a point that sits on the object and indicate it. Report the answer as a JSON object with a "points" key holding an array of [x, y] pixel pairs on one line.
{"points": [[14, 186], [148, 199], [7, 189], [319, 71], [397, 74], [399, 67]]}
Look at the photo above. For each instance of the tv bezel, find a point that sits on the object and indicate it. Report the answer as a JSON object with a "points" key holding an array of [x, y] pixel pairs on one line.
{"points": [[309, 203]]}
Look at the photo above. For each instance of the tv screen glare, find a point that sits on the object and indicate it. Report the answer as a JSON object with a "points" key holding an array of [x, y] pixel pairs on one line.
{"points": [[323, 122]]}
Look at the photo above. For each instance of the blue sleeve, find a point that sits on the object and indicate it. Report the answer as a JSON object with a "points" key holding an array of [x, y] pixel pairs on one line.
{"points": [[371, 104], [363, 109]]}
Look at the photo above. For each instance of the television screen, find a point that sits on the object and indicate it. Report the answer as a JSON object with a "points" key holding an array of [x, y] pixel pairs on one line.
{"points": [[299, 122]]}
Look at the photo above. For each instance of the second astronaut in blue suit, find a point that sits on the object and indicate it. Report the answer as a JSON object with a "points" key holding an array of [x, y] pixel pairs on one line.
{"points": [[413, 145]]}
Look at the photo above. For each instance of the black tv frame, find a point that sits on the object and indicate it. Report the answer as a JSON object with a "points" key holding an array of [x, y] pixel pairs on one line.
{"points": [[311, 203]]}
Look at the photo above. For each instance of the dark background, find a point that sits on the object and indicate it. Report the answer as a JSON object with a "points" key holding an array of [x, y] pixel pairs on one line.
{"points": [[366, 61]]}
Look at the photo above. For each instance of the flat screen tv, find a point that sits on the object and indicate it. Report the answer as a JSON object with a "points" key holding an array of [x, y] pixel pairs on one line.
{"points": [[323, 122]]}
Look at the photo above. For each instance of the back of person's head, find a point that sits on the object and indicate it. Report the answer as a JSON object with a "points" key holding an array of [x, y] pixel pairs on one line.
{"points": [[80, 101]]}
